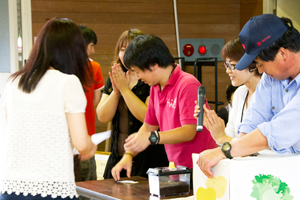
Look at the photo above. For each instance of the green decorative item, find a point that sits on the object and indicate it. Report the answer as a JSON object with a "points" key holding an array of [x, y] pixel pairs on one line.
{"points": [[268, 187]]}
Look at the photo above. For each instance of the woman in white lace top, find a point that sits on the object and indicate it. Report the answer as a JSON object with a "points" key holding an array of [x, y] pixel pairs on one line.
{"points": [[44, 104]]}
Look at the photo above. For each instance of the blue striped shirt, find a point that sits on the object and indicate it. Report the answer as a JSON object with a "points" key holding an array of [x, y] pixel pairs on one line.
{"points": [[275, 111]]}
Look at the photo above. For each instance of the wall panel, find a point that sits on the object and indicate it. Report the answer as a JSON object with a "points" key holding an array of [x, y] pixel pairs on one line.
{"points": [[5, 39], [250, 8], [210, 19]]}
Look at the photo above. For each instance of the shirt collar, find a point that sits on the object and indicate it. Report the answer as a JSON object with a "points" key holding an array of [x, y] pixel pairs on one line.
{"points": [[173, 78], [286, 82]]}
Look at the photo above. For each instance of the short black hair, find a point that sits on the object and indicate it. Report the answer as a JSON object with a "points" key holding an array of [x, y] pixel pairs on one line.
{"points": [[290, 40], [88, 34], [145, 51]]}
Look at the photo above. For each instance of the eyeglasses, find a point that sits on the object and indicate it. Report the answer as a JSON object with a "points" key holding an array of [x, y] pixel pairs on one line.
{"points": [[229, 66]]}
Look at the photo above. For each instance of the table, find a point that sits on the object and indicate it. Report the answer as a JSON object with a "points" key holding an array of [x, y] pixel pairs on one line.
{"points": [[108, 189]]}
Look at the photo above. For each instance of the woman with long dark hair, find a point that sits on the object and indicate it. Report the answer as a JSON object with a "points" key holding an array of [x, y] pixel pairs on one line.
{"points": [[44, 104]]}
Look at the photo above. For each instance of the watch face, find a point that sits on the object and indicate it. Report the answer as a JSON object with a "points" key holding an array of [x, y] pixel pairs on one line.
{"points": [[226, 147], [152, 138]]}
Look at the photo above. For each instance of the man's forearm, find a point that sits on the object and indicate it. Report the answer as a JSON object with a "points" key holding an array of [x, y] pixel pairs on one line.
{"points": [[249, 144], [184, 133], [148, 128]]}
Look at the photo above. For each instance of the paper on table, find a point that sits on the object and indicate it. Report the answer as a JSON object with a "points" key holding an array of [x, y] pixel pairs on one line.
{"points": [[128, 181], [97, 138]]}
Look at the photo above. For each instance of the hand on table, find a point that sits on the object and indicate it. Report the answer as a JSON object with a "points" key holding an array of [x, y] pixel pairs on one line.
{"points": [[124, 163]]}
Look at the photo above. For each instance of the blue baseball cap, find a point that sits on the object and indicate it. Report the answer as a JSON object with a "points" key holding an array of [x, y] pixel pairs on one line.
{"points": [[257, 34]]}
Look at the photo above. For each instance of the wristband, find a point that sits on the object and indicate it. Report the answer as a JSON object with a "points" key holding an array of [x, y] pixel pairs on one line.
{"points": [[128, 153]]}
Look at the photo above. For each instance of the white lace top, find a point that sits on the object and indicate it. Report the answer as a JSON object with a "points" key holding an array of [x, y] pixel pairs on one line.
{"points": [[37, 157]]}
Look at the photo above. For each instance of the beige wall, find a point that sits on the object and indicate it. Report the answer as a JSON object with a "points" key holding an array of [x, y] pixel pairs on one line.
{"points": [[284, 8], [289, 9]]}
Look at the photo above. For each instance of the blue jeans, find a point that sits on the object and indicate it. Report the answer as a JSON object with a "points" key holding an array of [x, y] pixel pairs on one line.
{"points": [[13, 196]]}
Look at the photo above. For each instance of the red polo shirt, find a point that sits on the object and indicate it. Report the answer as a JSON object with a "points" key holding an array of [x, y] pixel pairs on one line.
{"points": [[173, 107]]}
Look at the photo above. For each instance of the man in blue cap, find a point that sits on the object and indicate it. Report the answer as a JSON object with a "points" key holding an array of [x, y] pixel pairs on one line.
{"points": [[272, 119]]}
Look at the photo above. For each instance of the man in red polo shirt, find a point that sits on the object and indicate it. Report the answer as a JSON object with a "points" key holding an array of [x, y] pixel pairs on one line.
{"points": [[171, 106]]}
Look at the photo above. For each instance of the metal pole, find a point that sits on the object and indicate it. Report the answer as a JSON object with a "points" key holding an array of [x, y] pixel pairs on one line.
{"points": [[275, 7], [177, 32], [216, 85]]}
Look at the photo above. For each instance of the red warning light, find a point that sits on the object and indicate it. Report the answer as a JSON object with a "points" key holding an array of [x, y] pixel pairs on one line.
{"points": [[188, 50], [202, 49]]}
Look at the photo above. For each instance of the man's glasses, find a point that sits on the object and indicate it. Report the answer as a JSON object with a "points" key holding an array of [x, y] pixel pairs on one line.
{"points": [[229, 66]]}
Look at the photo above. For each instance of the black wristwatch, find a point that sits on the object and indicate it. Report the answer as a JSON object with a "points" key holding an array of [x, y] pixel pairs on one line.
{"points": [[226, 147], [154, 137]]}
